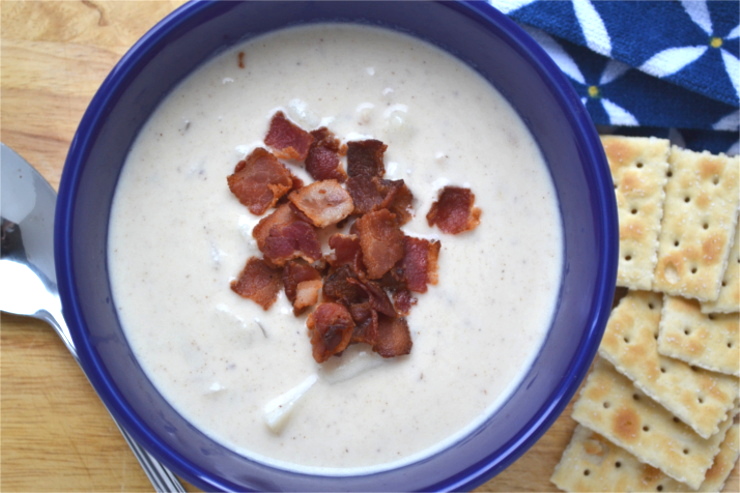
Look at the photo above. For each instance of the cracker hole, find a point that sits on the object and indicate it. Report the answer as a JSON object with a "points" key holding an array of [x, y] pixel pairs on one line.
{"points": [[634, 211], [662, 369], [710, 316], [586, 472], [676, 243], [639, 164], [729, 344], [651, 306], [687, 331], [646, 428], [636, 397], [628, 257], [715, 180], [705, 225], [693, 270], [669, 173], [626, 339], [660, 487], [676, 420], [685, 451], [687, 199], [724, 283], [700, 400], [606, 405], [617, 464]]}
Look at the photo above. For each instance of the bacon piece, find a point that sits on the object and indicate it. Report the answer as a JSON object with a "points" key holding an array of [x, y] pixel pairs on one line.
{"points": [[381, 240], [322, 266], [366, 324], [454, 211], [365, 157], [259, 282], [297, 239], [394, 337], [302, 283], [403, 300], [373, 193], [419, 263], [346, 251], [398, 200], [377, 297], [282, 215], [296, 184], [307, 294], [322, 161], [323, 202], [283, 236], [259, 181], [339, 286], [288, 140], [394, 280], [350, 288], [330, 326]]}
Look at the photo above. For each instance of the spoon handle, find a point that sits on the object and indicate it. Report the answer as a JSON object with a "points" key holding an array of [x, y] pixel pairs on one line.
{"points": [[163, 480]]}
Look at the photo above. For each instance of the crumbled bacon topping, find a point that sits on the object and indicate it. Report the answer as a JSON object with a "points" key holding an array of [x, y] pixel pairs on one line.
{"points": [[302, 283], [394, 337], [324, 202], [403, 300], [283, 236], [259, 282], [259, 181], [366, 324], [339, 286], [381, 240], [454, 211], [419, 263], [361, 290], [330, 326], [374, 193], [288, 140], [297, 239], [322, 161], [365, 158], [345, 250]]}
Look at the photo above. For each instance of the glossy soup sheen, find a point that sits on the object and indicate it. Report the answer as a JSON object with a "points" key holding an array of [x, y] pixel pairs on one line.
{"points": [[178, 237]]}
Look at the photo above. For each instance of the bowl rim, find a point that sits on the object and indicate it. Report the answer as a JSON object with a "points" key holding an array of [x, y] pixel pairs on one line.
{"points": [[505, 455]]}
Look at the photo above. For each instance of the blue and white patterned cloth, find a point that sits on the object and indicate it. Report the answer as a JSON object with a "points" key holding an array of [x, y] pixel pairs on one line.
{"points": [[667, 68]]}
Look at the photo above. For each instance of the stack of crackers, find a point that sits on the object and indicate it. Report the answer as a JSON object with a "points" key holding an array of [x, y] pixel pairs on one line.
{"points": [[658, 410]]}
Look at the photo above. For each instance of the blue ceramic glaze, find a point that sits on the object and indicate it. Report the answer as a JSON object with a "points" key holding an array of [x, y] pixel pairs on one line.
{"points": [[474, 32]]}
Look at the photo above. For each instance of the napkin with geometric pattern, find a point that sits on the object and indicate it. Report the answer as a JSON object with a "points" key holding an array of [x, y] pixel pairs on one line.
{"points": [[663, 68]]}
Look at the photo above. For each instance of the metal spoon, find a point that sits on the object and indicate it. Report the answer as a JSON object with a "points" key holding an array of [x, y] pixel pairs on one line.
{"points": [[29, 286]]}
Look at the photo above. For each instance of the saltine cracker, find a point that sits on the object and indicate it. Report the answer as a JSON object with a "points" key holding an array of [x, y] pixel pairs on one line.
{"points": [[612, 406], [702, 399], [699, 217], [708, 341], [638, 166], [590, 462], [729, 294]]}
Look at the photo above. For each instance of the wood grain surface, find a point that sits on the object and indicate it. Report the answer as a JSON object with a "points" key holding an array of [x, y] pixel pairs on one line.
{"points": [[55, 435]]}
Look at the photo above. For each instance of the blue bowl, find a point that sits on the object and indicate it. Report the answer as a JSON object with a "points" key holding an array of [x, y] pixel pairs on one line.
{"points": [[475, 33]]}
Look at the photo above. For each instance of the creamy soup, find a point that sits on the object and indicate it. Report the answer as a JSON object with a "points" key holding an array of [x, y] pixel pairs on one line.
{"points": [[246, 376]]}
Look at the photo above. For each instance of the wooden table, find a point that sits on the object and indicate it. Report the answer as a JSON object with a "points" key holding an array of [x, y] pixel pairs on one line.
{"points": [[56, 435]]}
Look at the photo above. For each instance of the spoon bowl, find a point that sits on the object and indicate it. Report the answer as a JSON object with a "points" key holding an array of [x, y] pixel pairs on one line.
{"points": [[29, 287], [27, 258]]}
